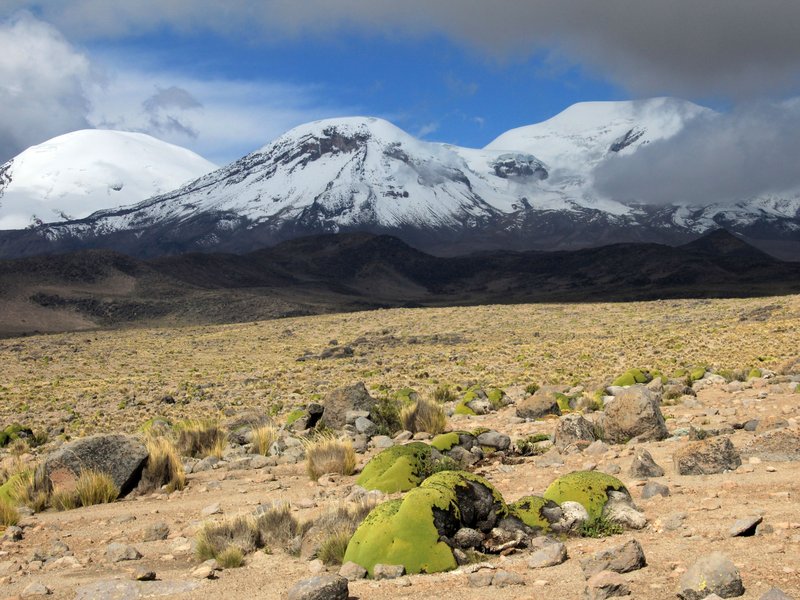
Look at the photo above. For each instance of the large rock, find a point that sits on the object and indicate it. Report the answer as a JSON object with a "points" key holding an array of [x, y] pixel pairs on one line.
{"points": [[542, 403], [633, 413], [620, 559], [573, 430], [713, 574], [776, 445], [606, 584], [121, 456], [343, 400], [706, 457], [321, 587]]}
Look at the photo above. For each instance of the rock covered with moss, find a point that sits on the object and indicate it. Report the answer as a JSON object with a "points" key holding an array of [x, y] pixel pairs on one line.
{"points": [[480, 401], [398, 469], [602, 495], [418, 531]]}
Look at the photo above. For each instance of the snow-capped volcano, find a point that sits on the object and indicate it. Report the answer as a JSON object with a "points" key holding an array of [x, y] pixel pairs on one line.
{"points": [[530, 188], [73, 175]]}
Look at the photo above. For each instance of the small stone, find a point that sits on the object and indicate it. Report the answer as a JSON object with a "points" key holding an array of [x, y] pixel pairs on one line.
{"points": [[156, 532], [503, 579], [143, 575], [381, 442], [116, 552], [745, 527], [316, 566], [482, 578], [380, 571], [596, 448], [211, 509], [573, 516], [36, 589], [352, 571], [620, 559], [468, 538], [653, 488], [775, 594], [321, 587], [204, 571], [493, 439], [606, 584], [714, 573], [643, 465], [549, 556]]}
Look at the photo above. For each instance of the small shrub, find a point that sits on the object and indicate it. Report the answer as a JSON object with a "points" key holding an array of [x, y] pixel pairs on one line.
{"points": [[386, 415], [231, 558], [443, 394], [600, 527], [277, 526], [263, 437], [531, 389], [64, 500], [332, 550], [198, 438], [9, 514], [327, 454], [424, 415], [240, 532], [431, 466], [95, 487], [30, 489], [164, 466]]}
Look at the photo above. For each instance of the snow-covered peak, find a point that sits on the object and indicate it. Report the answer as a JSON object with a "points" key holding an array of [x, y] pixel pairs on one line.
{"points": [[75, 174], [579, 137]]}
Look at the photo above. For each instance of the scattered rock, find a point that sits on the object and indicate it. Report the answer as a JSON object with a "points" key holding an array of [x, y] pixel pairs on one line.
{"points": [[653, 488], [707, 457], [745, 526], [321, 587], [36, 589], [606, 584], [775, 594], [211, 509], [352, 571], [643, 465], [542, 403], [574, 516], [549, 556], [344, 399], [634, 413], [143, 575], [770, 422], [116, 589], [482, 578], [156, 532], [712, 574], [620, 559], [493, 439], [388, 571], [776, 445], [503, 579], [466, 538], [117, 552], [573, 429]]}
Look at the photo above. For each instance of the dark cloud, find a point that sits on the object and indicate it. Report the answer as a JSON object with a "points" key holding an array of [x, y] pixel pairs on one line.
{"points": [[723, 158], [166, 111], [697, 48]]}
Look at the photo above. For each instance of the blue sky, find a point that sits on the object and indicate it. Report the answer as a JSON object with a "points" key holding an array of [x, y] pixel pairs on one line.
{"points": [[224, 78]]}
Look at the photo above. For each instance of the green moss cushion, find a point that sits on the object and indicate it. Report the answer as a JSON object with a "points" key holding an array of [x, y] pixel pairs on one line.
{"points": [[588, 488], [631, 377], [397, 469], [528, 509]]}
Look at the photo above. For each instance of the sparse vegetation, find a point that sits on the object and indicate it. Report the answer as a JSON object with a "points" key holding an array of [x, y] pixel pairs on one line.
{"points": [[241, 533], [443, 394], [95, 487], [527, 446], [231, 558], [424, 415], [328, 454], [277, 525], [164, 466], [9, 515], [262, 438], [200, 438], [601, 527]]}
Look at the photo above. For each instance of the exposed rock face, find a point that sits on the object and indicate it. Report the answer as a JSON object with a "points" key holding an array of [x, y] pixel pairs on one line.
{"points": [[712, 574], [121, 456], [344, 399], [573, 429], [634, 413], [707, 457]]}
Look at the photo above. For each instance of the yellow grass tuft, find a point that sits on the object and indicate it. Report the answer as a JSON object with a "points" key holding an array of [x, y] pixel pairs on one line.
{"points": [[9, 515], [424, 415], [95, 487], [200, 438], [328, 454], [263, 437], [164, 466]]}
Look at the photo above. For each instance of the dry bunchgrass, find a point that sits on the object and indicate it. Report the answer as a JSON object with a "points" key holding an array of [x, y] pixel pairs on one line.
{"points": [[64, 499], [29, 488], [95, 487], [231, 558], [200, 438], [263, 437], [241, 533], [164, 466], [328, 454], [278, 526], [424, 415], [9, 515], [336, 526]]}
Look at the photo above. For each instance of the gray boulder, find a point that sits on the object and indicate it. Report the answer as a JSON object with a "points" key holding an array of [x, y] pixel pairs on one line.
{"points": [[606, 584], [573, 430], [712, 574], [776, 445], [122, 457], [321, 587], [493, 439], [343, 400], [775, 594], [620, 559], [541, 403], [707, 457], [643, 465], [634, 413]]}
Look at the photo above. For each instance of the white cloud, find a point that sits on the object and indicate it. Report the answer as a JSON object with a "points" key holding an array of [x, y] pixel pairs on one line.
{"points": [[49, 87], [44, 85]]}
